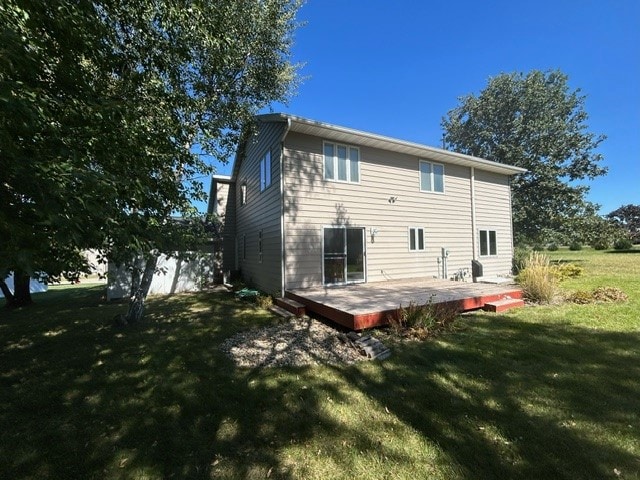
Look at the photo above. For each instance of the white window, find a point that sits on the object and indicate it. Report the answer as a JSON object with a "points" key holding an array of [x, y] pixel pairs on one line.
{"points": [[431, 177], [488, 244], [260, 246], [243, 194], [416, 239], [341, 163], [265, 171]]}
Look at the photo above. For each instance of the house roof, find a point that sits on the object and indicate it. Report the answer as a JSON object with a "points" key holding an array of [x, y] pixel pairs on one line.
{"points": [[358, 137]]}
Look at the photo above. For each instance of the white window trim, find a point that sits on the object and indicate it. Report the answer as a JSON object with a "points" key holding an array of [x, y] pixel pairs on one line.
{"points": [[431, 178], [335, 163], [424, 243], [488, 254], [364, 244], [243, 193], [265, 171]]}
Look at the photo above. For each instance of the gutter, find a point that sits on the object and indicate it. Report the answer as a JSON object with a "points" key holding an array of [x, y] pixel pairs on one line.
{"points": [[374, 140]]}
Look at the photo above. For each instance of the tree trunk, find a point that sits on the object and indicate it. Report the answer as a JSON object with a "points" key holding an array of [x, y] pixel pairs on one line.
{"points": [[136, 305], [135, 275], [21, 289], [9, 298]]}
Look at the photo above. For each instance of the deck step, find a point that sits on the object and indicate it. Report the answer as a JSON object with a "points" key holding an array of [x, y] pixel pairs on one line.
{"points": [[296, 308], [504, 304], [280, 311]]}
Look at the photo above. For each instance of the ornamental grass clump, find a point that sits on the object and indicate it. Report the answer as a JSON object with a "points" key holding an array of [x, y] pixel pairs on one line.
{"points": [[538, 279], [264, 301]]}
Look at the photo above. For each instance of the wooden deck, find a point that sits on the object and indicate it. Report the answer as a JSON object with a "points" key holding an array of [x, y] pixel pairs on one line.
{"points": [[367, 305]]}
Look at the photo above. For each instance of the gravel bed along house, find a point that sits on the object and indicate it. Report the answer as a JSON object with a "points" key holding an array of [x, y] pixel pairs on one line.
{"points": [[298, 341]]}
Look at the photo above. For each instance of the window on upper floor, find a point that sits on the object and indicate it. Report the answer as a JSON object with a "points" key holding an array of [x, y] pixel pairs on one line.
{"points": [[341, 163], [265, 171], [488, 243], [416, 239], [431, 177]]}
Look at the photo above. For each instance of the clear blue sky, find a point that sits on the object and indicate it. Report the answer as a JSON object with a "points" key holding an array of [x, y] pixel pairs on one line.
{"points": [[397, 67]]}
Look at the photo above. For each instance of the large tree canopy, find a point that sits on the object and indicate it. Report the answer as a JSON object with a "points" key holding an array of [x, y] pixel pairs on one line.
{"points": [[533, 121], [107, 106], [627, 217]]}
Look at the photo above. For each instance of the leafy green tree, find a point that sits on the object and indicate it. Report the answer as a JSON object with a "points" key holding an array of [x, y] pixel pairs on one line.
{"points": [[106, 110], [627, 217], [533, 121], [592, 230]]}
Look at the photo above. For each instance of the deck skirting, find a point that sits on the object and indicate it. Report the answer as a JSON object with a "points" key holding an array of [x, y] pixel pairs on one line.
{"points": [[370, 305]]}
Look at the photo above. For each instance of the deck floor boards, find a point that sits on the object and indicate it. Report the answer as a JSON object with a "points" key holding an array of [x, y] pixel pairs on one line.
{"points": [[364, 305]]}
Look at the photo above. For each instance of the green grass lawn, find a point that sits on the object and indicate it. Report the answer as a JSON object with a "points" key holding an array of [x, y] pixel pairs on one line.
{"points": [[540, 392]]}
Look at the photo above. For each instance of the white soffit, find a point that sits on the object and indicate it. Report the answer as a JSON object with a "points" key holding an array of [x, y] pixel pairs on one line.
{"points": [[357, 137]]}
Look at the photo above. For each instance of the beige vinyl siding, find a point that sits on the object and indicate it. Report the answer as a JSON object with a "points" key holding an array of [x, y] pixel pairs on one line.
{"points": [[262, 211], [221, 192], [311, 203], [493, 212], [224, 208]]}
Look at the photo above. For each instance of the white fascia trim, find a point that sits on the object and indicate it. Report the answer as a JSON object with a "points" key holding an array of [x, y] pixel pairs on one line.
{"points": [[344, 134]]}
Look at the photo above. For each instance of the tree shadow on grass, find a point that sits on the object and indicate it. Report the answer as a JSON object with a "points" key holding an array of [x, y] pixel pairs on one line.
{"points": [[81, 398], [502, 399], [507, 399], [157, 399]]}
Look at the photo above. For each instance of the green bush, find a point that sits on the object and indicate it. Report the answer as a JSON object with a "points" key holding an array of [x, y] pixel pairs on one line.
{"points": [[567, 270], [581, 297], [538, 279], [552, 247], [600, 244], [623, 244], [575, 246]]}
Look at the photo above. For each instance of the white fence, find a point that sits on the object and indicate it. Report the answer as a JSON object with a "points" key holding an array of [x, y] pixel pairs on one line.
{"points": [[173, 275]]}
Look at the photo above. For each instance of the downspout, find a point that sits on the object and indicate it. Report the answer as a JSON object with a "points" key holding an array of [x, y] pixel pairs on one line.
{"points": [[511, 217], [474, 239], [283, 282]]}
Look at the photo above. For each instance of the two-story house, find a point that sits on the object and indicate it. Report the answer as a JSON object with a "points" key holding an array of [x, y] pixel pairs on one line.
{"points": [[311, 204]]}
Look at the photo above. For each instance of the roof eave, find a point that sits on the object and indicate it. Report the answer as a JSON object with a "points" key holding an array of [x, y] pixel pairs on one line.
{"points": [[348, 135]]}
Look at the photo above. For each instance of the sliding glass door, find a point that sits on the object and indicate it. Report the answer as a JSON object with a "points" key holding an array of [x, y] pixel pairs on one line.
{"points": [[343, 255]]}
